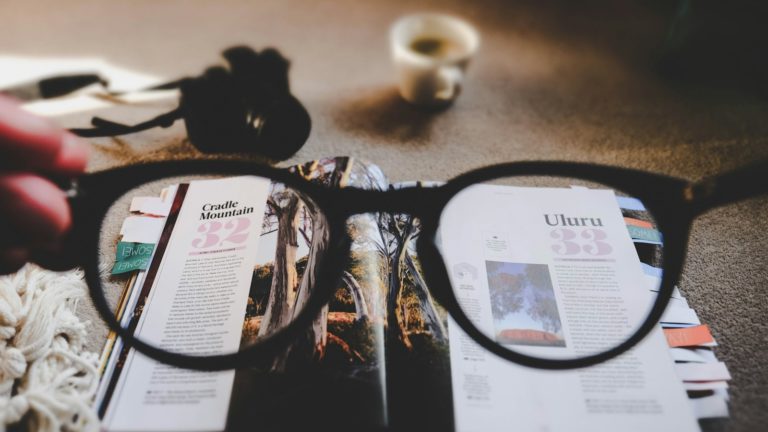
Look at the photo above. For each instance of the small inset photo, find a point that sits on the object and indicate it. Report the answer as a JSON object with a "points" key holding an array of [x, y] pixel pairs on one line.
{"points": [[523, 304]]}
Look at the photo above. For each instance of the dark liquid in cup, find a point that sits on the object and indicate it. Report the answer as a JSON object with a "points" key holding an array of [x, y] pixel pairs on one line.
{"points": [[436, 47]]}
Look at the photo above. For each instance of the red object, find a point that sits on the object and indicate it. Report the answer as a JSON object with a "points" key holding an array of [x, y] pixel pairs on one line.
{"points": [[514, 335]]}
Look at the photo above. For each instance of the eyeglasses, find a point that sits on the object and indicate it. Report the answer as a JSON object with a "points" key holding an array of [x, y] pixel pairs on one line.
{"points": [[571, 310]]}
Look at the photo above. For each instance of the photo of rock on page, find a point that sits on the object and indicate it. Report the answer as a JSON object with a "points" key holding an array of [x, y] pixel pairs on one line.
{"points": [[503, 249]]}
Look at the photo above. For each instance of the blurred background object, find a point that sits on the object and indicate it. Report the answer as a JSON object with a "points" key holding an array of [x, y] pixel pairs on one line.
{"points": [[244, 106], [714, 42], [431, 53]]}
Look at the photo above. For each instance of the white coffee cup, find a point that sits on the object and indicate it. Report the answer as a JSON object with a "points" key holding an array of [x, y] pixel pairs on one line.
{"points": [[431, 52]]}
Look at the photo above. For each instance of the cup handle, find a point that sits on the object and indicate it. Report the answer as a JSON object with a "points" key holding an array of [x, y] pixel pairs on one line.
{"points": [[449, 80]]}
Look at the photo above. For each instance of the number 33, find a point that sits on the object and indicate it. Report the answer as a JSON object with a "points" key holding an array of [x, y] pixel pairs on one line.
{"points": [[592, 242]]}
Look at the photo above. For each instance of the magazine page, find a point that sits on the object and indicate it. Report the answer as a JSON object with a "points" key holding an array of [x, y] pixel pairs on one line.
{"points": [[636, 391], [172, 398], [417, 357], [339, 364]]}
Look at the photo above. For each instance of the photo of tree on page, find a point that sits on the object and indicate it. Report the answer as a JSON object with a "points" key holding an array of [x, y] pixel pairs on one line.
{"points": [[334, 370], [293, 236], [419, 394], [523, 304]]}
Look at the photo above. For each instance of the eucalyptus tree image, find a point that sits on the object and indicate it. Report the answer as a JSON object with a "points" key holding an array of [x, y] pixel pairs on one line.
{"points": [[295, 229]]}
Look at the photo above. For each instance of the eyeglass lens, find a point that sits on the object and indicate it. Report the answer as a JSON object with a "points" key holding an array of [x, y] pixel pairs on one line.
{"points": [[553, 268], [204, 265]]}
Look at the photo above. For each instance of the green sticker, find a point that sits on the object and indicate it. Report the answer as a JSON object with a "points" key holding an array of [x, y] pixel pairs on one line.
{"points": [[132, 256], [645, 234]]}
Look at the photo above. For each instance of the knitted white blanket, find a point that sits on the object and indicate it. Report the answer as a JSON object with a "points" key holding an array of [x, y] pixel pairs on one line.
{"points": [[47, 379]]}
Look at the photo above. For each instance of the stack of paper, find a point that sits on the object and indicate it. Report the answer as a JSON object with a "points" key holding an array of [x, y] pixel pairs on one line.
{"points": [[140, 232], [691, 343]]}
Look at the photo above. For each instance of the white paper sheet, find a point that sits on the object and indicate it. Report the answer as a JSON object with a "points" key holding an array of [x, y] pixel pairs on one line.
{"points": [[693, 355], [16, 70], [710, 407], [680, 315], [702, 371], [142, 229], [153, 206]]}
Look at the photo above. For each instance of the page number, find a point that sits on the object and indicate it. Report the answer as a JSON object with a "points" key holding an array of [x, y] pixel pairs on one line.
{"points": [[215, 233], [591, 241]]}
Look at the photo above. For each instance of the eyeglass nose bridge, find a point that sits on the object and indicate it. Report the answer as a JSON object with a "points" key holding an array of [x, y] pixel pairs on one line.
{"points": [[416, 201]]}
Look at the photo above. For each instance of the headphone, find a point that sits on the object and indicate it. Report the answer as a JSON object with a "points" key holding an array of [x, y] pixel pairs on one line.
{"points": [[244, 106]]}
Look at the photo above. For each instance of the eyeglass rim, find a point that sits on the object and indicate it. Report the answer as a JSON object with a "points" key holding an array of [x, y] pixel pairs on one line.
{"points": [[120, 180]]}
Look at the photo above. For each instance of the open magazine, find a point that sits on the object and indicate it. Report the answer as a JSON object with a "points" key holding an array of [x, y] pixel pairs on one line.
{"points": [[383, 353]]}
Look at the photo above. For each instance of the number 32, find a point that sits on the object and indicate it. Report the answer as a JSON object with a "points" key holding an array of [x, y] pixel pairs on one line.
{"points": [[235, 231]]}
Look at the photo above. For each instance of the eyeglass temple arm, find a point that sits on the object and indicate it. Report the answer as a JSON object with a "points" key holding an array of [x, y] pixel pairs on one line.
{"points": [[743, 183], [105, 128]]}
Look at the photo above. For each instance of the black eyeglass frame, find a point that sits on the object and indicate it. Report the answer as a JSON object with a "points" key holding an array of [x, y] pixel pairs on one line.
{"points": [[673, 202]]}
